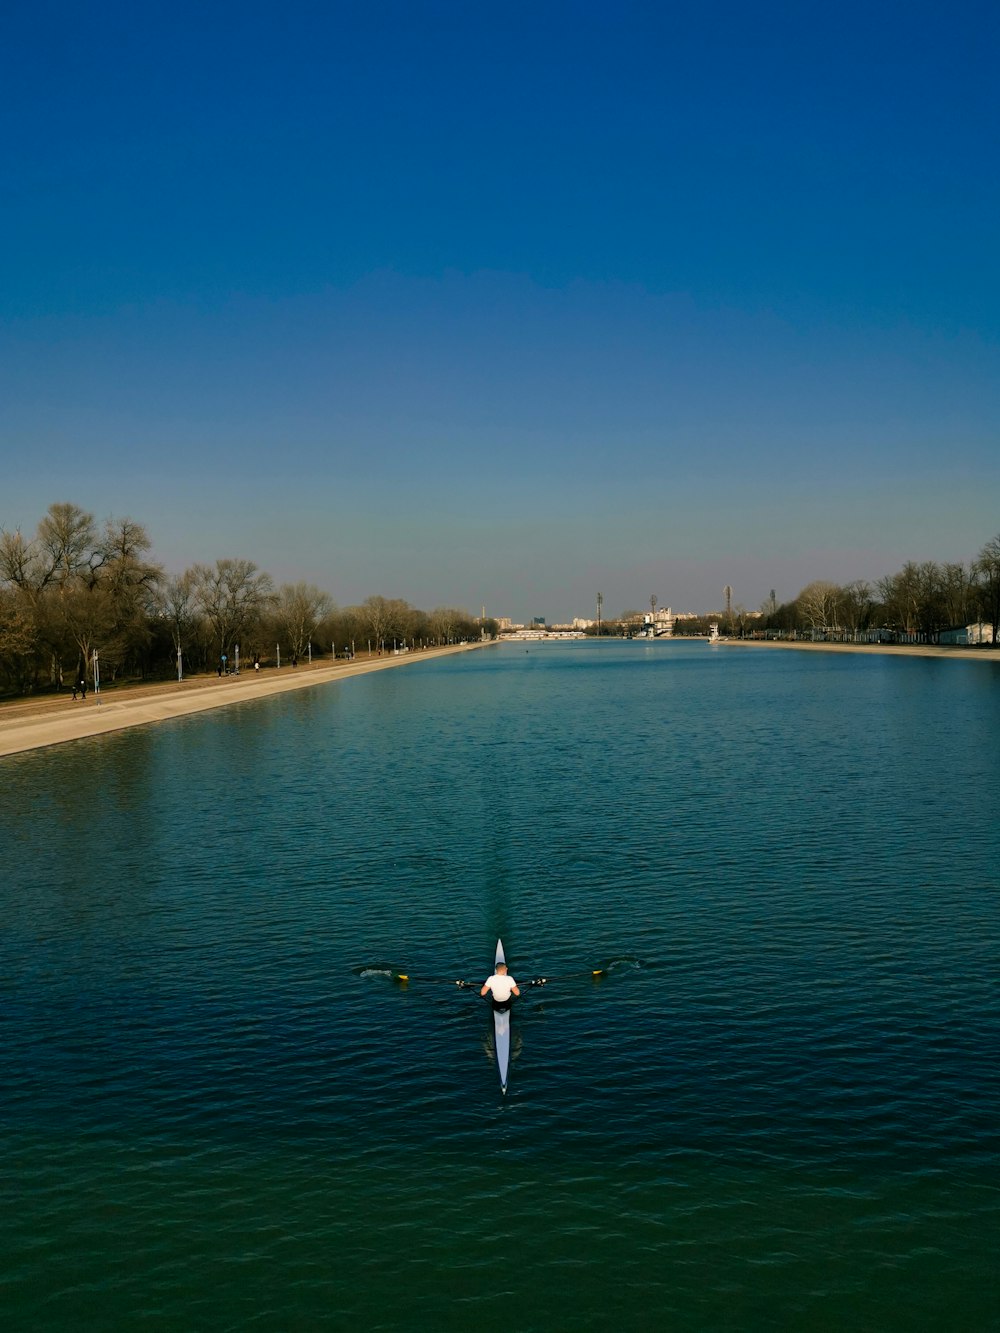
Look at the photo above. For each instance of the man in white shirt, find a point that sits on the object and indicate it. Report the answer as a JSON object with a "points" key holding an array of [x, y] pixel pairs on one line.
{"points": [[501, 987]]}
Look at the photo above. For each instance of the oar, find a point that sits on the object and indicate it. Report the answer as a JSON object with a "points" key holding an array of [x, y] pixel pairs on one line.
{"points": [[475, 985], [437, 981], [408, 976], [568, 976], [544, 981]]}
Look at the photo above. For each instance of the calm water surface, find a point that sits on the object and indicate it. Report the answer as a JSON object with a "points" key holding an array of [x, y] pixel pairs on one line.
{"points": [[777, 1109]]}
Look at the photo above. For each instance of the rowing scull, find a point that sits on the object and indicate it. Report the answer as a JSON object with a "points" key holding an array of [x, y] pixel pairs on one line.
{"points": [[501, 1029]]}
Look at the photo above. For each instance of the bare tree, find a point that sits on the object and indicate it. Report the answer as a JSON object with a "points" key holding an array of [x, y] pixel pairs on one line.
{"points": [[123, 549], [20, 563], [20, 618], [177, 607], [741, 619], [932, 615], [442, 623], [900, 594], [386, 619], [67, 544], [83, 614], [131, 581], [233, 595], [86, 590], [299, 610], [987, 569], [375, 613], [957, 584], [818, 604], [855, 605], [18, 639], [348, 626]]}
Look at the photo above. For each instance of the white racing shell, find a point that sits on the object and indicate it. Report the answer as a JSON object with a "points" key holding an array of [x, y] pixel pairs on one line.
{"points": [[501, 1030]]}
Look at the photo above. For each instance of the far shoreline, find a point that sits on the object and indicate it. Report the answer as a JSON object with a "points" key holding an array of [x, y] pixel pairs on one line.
{"points": [[987, 653], [27, 725]]}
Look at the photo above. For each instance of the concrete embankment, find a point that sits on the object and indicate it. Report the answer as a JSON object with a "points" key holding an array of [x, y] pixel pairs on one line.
{"points": [[33, 725]]}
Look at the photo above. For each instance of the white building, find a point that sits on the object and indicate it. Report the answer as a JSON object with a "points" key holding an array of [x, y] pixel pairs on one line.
{"points": [[661, 622], [967, 634]]}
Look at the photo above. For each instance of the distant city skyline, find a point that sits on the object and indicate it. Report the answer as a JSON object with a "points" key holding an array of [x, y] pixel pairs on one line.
{"points": [[469, 307]]}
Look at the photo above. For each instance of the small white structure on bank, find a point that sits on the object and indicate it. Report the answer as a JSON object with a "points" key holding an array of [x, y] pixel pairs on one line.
{"points": [[967, 634]]}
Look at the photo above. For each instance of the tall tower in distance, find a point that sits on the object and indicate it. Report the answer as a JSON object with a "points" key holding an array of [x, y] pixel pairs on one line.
{"points": [[727, 592], [600, 603]]}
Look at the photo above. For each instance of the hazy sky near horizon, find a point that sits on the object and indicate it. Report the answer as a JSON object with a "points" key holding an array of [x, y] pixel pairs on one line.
{"points": [[480, 305]]}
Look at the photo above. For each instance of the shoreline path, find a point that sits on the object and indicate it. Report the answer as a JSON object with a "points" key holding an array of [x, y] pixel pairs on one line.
{"points": [[987, 653], [34, 724]]}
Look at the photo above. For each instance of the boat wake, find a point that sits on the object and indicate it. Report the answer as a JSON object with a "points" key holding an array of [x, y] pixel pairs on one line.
{"points": [[624, 964]]}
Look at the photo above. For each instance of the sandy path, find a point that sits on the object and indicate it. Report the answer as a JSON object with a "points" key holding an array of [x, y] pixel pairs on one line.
{"points": [[34, 724], [985, 654]]}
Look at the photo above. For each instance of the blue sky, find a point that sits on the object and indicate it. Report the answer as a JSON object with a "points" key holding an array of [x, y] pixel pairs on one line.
{"points": [[481, 305]]}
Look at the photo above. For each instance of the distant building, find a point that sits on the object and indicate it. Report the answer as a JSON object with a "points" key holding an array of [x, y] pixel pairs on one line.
{"points": [[660, 622], [537, 622], [967, 634]]}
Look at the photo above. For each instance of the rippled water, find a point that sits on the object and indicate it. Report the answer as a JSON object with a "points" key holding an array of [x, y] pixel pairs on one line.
{"points": [[778, 1108]]}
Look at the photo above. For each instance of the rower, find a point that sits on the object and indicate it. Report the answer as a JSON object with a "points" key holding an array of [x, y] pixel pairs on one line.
{"points": [[501, 987]]}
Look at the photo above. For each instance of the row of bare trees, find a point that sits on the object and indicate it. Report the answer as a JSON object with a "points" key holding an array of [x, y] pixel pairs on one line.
{"points": [[920, 600], [77, 586]]}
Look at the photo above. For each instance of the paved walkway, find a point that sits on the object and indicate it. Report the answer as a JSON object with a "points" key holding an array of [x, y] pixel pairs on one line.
{"points": [[56, 719]]}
